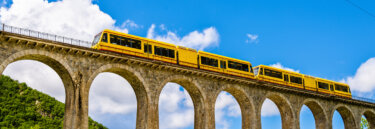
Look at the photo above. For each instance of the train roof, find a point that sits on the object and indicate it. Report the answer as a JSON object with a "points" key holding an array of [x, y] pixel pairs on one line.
{"points": [[138, 37], [225, 57], [288, 71]]}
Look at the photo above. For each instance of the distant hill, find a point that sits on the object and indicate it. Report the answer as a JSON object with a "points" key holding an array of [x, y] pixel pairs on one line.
{"points": [[25, 108]]}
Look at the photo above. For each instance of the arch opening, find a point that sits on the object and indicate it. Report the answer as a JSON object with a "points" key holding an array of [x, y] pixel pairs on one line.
{"points": [[58, 66], [312, 109], [227, 112], [307, 120], [368, 120], [284, 108], [337, 121], [113, 101], [193, 91], [124, 75], [343, 118], [176, 108], [271, 118], [37, 75]]}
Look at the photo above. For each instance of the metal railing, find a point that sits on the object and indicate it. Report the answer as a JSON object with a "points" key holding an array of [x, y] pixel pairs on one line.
{"points": [[363, 99], [46, 36], [61, 39]]}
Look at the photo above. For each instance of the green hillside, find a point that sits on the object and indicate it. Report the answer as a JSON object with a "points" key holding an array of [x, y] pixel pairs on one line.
{"points": [[25, 108]]}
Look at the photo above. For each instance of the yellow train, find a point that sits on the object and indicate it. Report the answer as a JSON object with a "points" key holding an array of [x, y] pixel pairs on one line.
{"points": [[114, 41], [293, 79]]}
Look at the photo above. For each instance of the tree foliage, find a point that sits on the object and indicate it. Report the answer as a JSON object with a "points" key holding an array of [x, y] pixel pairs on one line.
{"points": [[25, 108], [364, 123]]}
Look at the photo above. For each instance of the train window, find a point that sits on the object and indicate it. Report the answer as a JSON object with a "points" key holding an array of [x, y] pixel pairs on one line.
{"points": [[147, 48], [272, 73], [322, 85], [115, 39], [251, 69], [286, 78], [104, 38], [341, 88], [96, 39], [164, 52], [223, 64], [209, 61], [171, 53], [238, 66], [294, 79], [118, 40], [261, 71], [134, 43], [123, 42], [256, 71]]}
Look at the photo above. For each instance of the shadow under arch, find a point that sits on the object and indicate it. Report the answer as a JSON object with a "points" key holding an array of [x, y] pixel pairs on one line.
{"points": [[318, 112], [246, 104], [285, 108], [195, 93], [137, 83], [346, 115], [59, 65], [370, 116]]}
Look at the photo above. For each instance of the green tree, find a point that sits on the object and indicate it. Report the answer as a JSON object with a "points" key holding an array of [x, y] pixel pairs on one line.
{"points": [[364, 123], [25, 108]]}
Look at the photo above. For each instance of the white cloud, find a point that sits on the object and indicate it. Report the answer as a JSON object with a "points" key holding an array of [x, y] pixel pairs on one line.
{"points": [[130, 24], [162, 27], [278, 65], [175, 108], [363, 80], [37, 76], [197, 40], [112, 94], [252, 38], [226, 106], [269, 108], [72, 18]]}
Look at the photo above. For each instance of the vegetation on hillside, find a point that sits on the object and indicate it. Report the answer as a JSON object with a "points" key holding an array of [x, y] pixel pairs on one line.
{"points": [[25, 108], [364, 123]]}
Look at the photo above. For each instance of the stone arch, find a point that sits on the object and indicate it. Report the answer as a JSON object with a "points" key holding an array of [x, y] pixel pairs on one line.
{"points": [[318, 112], [346, 115], [245, 102], [135, 80], [195, 93], [286, 111], [370, 116], [59, 65]]}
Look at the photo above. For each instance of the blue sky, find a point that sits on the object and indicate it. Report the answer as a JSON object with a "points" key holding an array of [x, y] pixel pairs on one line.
{"points": [[329, 39]]}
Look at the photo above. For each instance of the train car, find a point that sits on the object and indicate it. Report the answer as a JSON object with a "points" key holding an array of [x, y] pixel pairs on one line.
{"points": [[187, 57], [227, 65], [114, 41], [294, 79], [330, 87], [278, 76]]}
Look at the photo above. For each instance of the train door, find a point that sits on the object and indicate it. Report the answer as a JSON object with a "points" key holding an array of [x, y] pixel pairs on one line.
{"points": [[148, 50], [223, 66]]}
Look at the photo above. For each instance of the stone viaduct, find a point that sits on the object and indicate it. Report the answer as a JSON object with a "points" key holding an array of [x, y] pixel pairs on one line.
{"points": [[78, 66]]}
